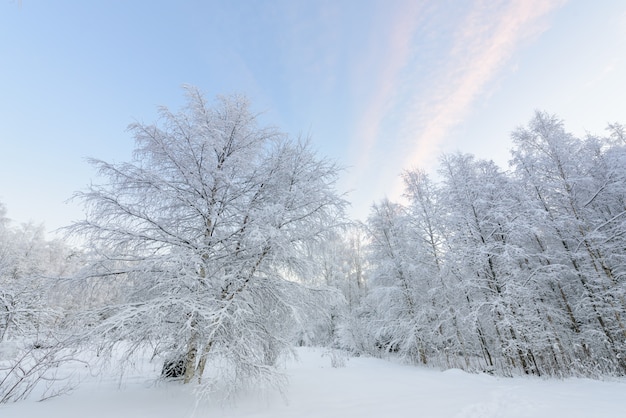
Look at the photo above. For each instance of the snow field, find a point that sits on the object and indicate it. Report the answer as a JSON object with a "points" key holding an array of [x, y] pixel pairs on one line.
{"points": [[365, 388]]}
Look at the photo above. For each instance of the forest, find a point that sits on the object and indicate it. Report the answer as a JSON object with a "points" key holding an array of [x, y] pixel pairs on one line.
{"points": [[222, 244]]}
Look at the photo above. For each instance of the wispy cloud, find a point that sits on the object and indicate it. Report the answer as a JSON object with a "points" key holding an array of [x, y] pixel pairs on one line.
{"points": [[414, 109], [396, 51], [487, 38]]}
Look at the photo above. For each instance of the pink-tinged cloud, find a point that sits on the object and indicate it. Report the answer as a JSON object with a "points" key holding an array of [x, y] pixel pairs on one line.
{"points": [[397, 53], [488, 37], [411, 112]]}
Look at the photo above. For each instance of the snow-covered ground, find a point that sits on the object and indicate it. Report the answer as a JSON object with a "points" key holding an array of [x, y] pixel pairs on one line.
{"points": [[366, 387]]}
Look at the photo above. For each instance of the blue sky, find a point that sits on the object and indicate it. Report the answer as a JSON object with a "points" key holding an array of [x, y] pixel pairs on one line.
{"points": [[380, 86]]}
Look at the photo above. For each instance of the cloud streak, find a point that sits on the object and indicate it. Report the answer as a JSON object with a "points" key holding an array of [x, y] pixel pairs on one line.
{"points": [[426, 90], [396, 49], [487, 39], [398, 53]]}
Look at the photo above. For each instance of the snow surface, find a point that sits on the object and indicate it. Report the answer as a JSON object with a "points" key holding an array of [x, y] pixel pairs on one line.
{"points": [[366, 387]]}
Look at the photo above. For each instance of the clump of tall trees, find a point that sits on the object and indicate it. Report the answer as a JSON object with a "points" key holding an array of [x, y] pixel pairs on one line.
{"points": [[518, 271], [33, 306]]}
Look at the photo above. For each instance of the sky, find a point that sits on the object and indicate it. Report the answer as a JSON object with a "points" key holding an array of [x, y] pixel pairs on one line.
{"points": [[379, 86]]}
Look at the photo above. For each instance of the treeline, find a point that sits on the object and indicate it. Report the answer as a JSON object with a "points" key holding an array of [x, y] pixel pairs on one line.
{"points": [[518, 271], [31, 299], [35, 307]]}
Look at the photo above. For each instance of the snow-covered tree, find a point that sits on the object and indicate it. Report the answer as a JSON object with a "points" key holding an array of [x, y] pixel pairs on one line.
{"points": [[518, 271], [341, 267], [428, 229], [399, 284], [28, 265], [578, 192], [32, 346], [206, 230]]}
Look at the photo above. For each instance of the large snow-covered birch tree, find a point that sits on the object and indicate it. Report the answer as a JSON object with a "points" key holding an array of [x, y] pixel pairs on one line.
{"points": [[206, 229]]}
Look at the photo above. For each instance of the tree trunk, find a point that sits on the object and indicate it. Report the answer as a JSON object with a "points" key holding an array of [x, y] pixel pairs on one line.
{"points": [[190, 357], [203, 358]]}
